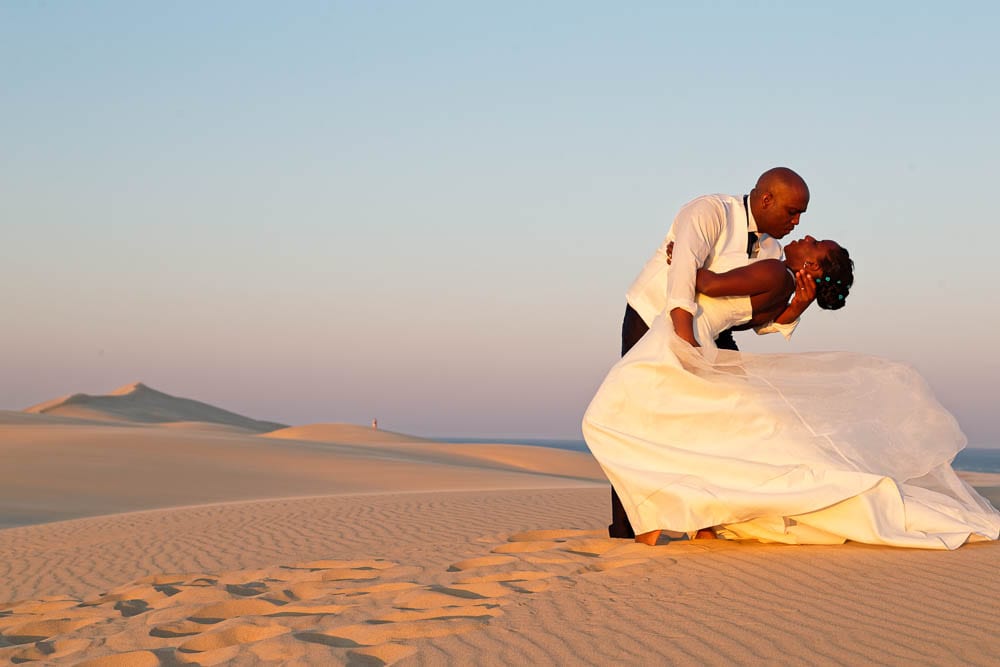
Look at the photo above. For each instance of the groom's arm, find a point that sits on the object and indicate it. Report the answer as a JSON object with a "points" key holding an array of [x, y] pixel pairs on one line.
{"points": [[696, 229], [683, 322]]}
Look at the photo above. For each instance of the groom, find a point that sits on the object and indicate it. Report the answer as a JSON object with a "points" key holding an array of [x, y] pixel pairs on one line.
{"points": [[718, 232]]}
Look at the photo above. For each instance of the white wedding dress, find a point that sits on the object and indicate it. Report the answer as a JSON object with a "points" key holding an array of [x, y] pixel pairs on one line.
{"points": [[809, 448]]}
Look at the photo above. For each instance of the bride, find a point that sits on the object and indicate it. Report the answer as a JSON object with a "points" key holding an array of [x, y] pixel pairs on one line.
{"points": [[808, 448]]}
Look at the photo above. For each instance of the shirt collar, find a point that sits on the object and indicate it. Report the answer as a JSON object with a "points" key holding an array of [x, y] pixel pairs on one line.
{"points": [[751, 223]]}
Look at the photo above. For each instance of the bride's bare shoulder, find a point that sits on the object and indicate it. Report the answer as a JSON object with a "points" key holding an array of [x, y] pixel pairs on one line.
{"points": [[772, 270]]}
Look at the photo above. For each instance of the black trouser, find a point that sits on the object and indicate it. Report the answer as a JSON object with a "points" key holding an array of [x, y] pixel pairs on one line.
{"points": [[633, 329]]}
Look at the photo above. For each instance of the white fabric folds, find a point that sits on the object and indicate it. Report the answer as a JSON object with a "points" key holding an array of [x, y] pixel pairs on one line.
{"points": [[813, 448]]}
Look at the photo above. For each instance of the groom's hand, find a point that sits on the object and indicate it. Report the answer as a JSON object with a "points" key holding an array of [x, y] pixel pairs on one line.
{"points": [[670, 252], [683, 322]]}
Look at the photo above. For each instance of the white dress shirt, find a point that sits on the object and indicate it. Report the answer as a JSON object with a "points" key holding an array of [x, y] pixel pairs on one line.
{"points": [[709, 232]]}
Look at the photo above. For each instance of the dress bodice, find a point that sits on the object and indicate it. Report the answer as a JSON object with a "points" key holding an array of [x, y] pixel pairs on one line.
{"points": [[716, 314]]}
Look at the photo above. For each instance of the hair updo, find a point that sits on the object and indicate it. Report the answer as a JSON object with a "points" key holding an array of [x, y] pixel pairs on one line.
{"points": [[838, 276]]}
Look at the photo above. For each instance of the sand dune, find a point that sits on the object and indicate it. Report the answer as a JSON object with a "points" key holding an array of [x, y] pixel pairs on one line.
{"points": [[543, 460], [138, 403], [337, 544], [60, 468], [342, 433], [11, 418], [494, 577]]}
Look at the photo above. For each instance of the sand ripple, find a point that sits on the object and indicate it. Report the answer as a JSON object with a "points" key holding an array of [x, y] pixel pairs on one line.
{"points": [[479, 581], [331, 610]]}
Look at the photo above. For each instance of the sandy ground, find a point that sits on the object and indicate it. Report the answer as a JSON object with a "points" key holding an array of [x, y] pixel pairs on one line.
{"points": [[56, 470], [196, 543]]}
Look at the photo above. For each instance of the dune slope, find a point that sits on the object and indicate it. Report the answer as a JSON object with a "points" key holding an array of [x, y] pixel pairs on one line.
{"points": [[138, 403]]}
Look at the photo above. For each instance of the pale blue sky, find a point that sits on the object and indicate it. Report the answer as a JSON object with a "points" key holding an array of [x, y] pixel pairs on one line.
{"points": [[430, 212]]}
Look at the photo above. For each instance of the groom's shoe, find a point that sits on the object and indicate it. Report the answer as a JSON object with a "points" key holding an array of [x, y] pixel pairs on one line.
{"points": [[619, 526], [621, 532]]}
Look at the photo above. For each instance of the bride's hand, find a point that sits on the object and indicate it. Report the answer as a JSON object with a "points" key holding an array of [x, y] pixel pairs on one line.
{"points": [[805, 289]]}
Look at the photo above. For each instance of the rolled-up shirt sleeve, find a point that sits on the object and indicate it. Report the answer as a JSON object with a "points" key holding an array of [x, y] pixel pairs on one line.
{"points": [[696, 229], [785, 330]]}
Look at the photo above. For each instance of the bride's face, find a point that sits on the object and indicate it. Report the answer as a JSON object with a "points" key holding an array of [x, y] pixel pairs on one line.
{"points": [[807, 253]]}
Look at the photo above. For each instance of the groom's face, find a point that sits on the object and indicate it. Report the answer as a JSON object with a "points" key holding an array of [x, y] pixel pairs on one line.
{"points": [[780, 210]]}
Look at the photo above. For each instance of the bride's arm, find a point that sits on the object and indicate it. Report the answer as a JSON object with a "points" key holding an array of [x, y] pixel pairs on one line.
{"points": [[805, 293], [761, 278], [756, 278]]}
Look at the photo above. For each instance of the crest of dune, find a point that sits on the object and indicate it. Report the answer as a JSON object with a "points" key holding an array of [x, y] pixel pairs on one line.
{"points": [[497, 455], [336, 432]]}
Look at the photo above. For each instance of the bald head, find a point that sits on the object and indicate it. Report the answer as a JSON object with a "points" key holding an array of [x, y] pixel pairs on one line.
{"points": [[777, 201], [782, 178]]}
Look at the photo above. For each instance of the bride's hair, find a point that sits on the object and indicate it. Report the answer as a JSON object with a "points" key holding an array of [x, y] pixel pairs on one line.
{"points": [[838, 276]]}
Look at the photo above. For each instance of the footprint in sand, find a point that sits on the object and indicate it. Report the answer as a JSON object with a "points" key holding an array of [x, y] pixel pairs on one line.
{"points": [[482, 612], [375, 589], [527, 546], [221, 611], [235, 635], [127, 659], [147, 593], [480, 590], [177, 578], [365, 634], [309, 610], [196, 623], [343, 574], [41, 606], [371, 564], [441, 597], [49, 650], [558, 554], [247, 589], [424, 612], [505, 577], [589, 547], [483, 561], [39, 630], [176, 629], [225, 644], [385, 654], [284, 612], [553, 535], [482, 586], [521, 581]]}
